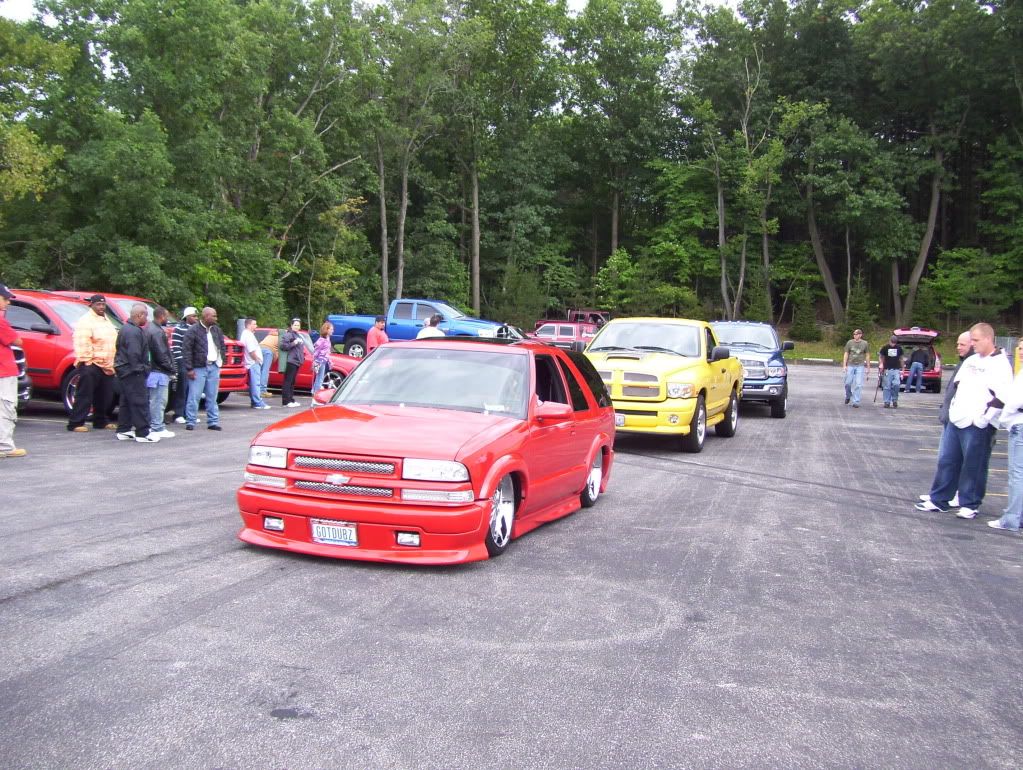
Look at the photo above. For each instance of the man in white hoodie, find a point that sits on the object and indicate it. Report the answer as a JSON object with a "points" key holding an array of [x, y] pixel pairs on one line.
{"points": [[1012, 421], [966, 441]]}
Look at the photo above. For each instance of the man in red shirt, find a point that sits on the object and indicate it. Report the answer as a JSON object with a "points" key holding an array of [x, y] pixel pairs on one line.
{"points": [[8, 380], [376, 336]]}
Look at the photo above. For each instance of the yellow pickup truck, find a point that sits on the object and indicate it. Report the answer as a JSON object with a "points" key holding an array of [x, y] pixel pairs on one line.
{"points": [[668, 376]]}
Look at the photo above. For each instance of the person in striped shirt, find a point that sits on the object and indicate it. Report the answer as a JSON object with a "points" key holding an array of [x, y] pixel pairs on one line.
{"points": [[189, 316]]}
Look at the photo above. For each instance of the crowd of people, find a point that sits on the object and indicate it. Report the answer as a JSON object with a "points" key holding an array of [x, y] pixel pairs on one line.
{"points": [[982, 395]]}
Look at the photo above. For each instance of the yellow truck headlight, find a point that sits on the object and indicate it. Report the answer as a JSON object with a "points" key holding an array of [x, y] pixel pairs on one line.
{"points": [[680, 390]]}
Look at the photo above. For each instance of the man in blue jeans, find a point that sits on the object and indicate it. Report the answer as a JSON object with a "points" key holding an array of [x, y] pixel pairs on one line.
{"points": [[856, 365], [889, 367], [203, 351], [918, 361], [965, 446], [1012, 420]]}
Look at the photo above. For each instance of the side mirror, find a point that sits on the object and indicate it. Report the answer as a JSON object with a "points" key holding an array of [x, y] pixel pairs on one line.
{"points": [[788, 345], [552, 411], [720, 353], [44, 328], [322, 397]]}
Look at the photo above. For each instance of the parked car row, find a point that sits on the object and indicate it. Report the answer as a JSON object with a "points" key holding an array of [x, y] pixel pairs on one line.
{"points": [[340, 365]]}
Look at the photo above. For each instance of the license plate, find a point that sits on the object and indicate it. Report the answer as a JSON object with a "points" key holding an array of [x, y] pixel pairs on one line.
{"points": [[332, 532], [619, 420]]}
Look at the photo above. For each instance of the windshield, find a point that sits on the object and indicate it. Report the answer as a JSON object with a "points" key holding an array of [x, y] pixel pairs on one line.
{"points": [[746, 334], [447, 311], [649, 336], [441, 378], [124, 309], [71, 311]]}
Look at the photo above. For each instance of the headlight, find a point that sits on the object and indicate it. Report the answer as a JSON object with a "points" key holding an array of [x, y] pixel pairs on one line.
{"points": [[270, 456], [433, 470], [776, 371], [487, 332], [680, 390]]}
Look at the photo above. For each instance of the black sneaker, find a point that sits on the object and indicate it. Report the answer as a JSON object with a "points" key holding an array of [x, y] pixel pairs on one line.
{"points": [[213, 427], [189, 427], [847, 400], [895, 405]]}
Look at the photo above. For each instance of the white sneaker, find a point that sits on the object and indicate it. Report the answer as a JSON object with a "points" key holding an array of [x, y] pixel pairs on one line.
{"points": [[150, 438], [954, 502], [179, 420], [163, 433], [293, 404], [264, 406], [997, 524], [966, 513], [126, 436], [927, 505], [925, 498]]}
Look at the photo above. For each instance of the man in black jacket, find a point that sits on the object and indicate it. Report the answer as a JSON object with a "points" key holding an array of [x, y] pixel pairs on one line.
{"points": [[131, 364], [203, 352], [161, 374]]}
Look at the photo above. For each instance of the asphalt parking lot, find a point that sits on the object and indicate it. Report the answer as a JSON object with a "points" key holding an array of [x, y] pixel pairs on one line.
{"points": [[775, 601]]}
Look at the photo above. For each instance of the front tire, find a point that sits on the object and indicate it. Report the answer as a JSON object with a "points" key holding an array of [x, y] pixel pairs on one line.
{"points": [[222, 397], [502, 517], [693, 443], [591, 491], [780, 406], [727, 427], [355, 346], [69, 388], [333, 379]]}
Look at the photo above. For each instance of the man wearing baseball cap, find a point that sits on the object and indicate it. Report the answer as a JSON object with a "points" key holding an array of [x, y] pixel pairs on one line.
{"points": [[188, 317], [95, 341], [8, 380]]}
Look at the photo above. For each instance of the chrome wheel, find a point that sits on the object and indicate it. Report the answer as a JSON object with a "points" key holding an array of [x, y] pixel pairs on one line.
{"points": [[333, 379], [502, 516], [592, 489]]}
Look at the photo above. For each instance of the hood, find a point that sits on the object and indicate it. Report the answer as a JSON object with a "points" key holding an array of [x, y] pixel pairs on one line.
{"points": [[465, 323], [386, 431], [657, 364]]}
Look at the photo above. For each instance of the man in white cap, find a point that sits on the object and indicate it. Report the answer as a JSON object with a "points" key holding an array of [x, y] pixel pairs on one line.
{"points": [[188, 317]]}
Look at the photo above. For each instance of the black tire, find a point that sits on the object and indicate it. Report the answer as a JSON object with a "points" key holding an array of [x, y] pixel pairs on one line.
{"points": [[502, 517], [780, 406], [333, 379], [68, 388], [222, 397], [937, 386], [355, 346], [693, 442], [727, 427], [594, 476]]}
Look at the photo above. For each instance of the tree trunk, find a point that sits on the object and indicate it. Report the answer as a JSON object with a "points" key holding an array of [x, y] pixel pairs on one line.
{"points": [[614, 221], [475, 247], [765, 253], [838, 314], [721, 242], [896, 297], [399, 245], [925, 244], [737, 303], [848, 269], [384, 257]]}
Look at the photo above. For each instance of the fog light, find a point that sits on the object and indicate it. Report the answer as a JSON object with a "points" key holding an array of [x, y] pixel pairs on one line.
{"points": [[263, 480], [437, 496], [774, 391], [408, 538], [673, 419], [273, 523]]}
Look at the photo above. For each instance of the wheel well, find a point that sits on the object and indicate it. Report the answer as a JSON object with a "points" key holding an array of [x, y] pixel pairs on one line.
{"points": [[354, 333]]}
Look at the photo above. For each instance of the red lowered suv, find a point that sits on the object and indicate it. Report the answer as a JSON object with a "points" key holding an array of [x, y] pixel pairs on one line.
{"points": [[433, 451], [918, 338]]}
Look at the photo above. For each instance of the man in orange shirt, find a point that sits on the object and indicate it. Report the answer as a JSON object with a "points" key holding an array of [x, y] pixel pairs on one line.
{"points": [[376, 336], [95, 340]]}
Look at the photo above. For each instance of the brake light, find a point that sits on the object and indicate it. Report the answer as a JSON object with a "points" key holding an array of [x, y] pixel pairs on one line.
{"points": [[937, 361]]}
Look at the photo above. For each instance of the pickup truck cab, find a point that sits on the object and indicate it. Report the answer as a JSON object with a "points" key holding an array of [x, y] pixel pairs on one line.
{"points": [[405, 317], [668, 376]]}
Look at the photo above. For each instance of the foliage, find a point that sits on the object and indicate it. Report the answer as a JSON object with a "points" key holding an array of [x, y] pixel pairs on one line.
{"points": [[804, 320], [861, 312]]}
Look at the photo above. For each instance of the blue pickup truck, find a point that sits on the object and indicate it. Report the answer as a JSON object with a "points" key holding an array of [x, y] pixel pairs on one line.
{"points": [[405, 317]]}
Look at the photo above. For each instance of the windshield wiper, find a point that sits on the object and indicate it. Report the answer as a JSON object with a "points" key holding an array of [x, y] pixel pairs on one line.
{"points": [[657, 349], [608, 347]]}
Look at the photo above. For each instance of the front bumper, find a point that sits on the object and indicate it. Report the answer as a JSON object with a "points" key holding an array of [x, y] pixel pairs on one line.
{"points": [[447, 535], [772, 389], [671, 417]]}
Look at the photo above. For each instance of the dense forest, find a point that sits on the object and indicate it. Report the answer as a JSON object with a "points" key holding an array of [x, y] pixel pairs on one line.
{"points": [[829, 159]]}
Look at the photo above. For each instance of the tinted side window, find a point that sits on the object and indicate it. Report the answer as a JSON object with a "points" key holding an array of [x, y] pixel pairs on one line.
{"points": [[591, 377], [575, 390], [710, 342], [22, 317], [424, 311], [566, 331], [549, 385], [403, 311]]}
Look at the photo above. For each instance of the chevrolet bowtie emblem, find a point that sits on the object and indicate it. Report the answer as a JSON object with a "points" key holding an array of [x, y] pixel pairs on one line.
{"points": [[337, 478]]}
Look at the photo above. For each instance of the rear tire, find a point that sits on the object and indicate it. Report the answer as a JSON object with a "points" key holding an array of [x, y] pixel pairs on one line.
{"points": [[693, 443], [222, 397], [355, 346], [937, 386], [595, 475], [68, 388], [333, 379]]}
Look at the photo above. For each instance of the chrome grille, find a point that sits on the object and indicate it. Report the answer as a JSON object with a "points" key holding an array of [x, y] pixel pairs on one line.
{"points": [[753, 369], [344, 489], [605, 376], [640, 391], [336, 464], [639, 377]]}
